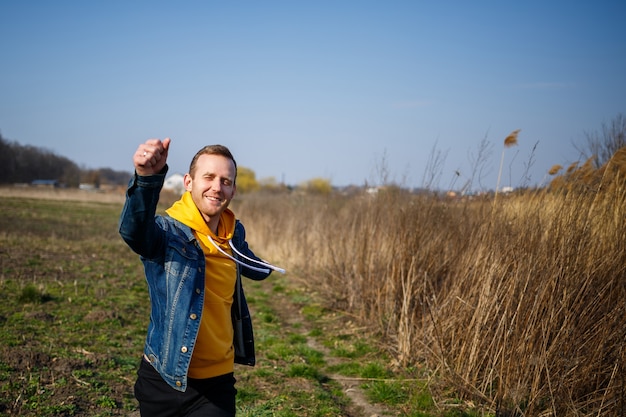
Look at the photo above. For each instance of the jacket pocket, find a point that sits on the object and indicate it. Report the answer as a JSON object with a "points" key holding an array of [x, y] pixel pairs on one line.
{"points": [[180, 256]]}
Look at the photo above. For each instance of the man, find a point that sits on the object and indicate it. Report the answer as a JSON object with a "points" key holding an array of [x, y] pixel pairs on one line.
{"points": [[193, 257]]}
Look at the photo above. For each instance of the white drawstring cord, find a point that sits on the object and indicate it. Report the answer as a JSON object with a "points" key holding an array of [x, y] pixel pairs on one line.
{"points": [[267, 266]]}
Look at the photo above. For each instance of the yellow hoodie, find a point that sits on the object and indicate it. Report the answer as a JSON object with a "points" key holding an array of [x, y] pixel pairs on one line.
{"points": [[213, 354]]}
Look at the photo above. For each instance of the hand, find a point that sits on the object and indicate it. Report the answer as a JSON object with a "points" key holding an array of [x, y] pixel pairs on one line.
{"points": [[151, 156]]}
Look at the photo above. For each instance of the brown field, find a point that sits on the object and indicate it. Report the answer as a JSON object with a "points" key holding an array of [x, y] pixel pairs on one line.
{"points": [[64, 194], [518, 306]]}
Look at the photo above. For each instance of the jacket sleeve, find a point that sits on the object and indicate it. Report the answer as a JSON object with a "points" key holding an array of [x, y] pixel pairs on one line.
{"points": [[239, 240], [137, 224]]}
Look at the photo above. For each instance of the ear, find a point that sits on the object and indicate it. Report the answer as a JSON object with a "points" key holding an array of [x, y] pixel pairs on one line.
{"points": [[187, 182]]}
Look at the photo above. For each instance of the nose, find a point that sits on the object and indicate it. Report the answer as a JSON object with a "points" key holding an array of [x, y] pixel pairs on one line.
{"points": [[216, 184]]}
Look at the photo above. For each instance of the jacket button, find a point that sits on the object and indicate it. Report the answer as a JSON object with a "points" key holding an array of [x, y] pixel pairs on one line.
{"points": [[183, 349], [197, 290], [178, 383], [193, 316]]}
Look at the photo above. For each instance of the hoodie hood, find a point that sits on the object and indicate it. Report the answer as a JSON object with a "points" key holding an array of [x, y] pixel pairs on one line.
{"points": [[186, 212]]}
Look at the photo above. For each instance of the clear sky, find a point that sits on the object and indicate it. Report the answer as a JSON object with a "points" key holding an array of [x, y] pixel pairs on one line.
{"points": [[351, 91]]}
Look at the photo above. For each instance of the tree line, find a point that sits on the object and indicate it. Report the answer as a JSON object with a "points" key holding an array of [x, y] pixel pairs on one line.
{"points": [[24, 164]]}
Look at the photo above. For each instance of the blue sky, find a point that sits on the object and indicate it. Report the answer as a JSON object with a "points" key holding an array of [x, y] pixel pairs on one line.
{"points": [[352, 91]]}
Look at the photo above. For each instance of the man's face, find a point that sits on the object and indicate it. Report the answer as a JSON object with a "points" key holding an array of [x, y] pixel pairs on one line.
{"points": [[212, 186]]}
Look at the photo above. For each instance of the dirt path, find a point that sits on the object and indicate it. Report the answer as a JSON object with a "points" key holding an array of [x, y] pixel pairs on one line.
{"points": [[290, 314]]}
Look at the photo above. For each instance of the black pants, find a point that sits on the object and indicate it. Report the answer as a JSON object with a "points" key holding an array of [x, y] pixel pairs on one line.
{"points": [[213, 397]]}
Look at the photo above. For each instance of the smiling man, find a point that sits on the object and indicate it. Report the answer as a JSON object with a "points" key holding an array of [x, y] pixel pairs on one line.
{"points": [[193, 259]]}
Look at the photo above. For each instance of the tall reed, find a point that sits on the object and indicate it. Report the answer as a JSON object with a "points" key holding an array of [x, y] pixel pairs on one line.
{"points": [[519, 306]]}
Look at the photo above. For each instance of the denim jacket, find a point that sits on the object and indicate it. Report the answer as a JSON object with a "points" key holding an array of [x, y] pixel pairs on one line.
{"points": [[174, 266]]}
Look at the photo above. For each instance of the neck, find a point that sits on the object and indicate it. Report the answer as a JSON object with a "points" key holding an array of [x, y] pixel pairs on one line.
{"points": [[213, 223]]}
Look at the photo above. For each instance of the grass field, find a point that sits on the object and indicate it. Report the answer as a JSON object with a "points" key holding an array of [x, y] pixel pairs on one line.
{"points": [[74, 309], [394, 305]]}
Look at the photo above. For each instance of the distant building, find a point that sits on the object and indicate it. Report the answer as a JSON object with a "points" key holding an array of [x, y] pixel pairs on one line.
{"points": [[175, 184], [85, 186], [45, 183]]}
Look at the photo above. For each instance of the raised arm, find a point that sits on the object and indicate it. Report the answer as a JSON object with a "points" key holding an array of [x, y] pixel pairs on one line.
{"points": [[137, 224]]}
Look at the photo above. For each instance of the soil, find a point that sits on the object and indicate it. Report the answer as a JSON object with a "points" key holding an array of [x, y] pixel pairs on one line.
{"points": [[25, 359]]}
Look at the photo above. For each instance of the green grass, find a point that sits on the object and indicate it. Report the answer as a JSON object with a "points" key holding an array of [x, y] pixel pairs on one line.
{"points": [[73, 310]]}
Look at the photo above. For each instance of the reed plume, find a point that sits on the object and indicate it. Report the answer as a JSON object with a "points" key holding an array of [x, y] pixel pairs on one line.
{"points": [[555, 169], [509, 141]]}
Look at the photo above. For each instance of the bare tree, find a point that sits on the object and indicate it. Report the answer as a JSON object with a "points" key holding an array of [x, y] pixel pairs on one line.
{"points": [[479, 163], [525, 179], [602, 145], [434, 168]]}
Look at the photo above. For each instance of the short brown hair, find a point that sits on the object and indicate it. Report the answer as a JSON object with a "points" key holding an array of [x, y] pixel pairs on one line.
{"points": [[212, 150]]}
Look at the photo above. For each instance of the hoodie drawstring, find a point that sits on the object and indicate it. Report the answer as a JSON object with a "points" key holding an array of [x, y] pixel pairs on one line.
{"points": [[267, 266]]}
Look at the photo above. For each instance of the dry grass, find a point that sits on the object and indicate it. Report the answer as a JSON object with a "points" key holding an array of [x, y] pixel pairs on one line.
{"points": [[518, 306], [64, 194]]}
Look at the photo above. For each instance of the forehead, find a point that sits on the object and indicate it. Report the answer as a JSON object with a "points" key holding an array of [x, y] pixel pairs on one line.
{"points": [[210, 164]]}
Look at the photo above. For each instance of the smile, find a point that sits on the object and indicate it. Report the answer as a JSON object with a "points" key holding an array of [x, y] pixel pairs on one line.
{"points": [[216, 199]]}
